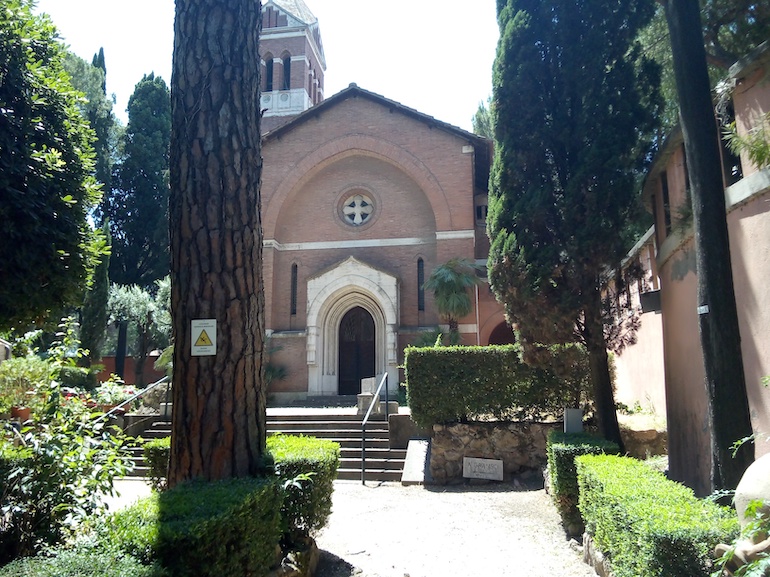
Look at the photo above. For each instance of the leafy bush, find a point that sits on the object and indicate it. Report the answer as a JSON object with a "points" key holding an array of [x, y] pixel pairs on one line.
{"points": [[456, 384], [200, 529], [306, 467], [57, 477], [562, 449], [18, 379], [80, 563], [156, 455], [735, 558], [647, 524]]}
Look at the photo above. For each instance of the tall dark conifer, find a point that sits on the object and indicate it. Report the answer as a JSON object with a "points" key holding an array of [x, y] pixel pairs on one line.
{"points": [[137, 205], [99, 62], [93, 314], [573, 103]]}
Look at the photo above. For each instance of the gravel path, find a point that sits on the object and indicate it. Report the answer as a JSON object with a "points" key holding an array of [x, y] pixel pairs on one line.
{"points": [[490, 530]]}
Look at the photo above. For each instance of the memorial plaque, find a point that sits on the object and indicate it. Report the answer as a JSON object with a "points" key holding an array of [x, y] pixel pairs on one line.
{"points": [[482, 469]]}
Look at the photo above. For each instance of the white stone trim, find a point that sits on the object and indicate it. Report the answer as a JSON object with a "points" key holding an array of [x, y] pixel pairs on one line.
{"points": [[329, 296], [343, 244], [461, 328], [365, 243], [454, 234]]}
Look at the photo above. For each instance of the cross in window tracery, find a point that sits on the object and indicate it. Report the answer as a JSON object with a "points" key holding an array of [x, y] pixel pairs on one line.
{"points": [[358, 209]]}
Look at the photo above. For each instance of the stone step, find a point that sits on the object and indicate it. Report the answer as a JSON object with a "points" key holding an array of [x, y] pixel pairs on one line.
{"points": [[382, 463], [380, 475], [325, 424], [332, 434], [372, 453], [374, 464]]}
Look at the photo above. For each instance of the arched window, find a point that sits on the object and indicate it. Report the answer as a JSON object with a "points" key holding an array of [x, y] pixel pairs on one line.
{"points": [[286, 73], [269, 73], [294, 289], [420, 282]]}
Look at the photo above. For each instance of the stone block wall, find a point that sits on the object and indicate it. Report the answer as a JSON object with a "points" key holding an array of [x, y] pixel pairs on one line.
{"points": [[520, 445]]}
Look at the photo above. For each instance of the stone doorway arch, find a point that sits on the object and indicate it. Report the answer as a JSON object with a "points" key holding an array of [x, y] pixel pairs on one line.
{"points": [[331, 295]]}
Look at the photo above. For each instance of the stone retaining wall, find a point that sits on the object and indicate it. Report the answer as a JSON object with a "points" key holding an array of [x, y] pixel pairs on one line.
{"points": [[520, 445]]}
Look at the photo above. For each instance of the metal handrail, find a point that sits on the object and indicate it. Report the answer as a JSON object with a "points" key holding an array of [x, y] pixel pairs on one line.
{"points": [[131, 399], [383, 381]]}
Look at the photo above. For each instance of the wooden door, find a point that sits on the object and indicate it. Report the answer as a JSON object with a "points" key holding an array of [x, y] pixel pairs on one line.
{"points": [[356, 347]]}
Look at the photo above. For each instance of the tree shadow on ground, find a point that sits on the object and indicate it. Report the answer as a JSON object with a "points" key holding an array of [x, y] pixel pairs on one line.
{"points": [[329, 565]]}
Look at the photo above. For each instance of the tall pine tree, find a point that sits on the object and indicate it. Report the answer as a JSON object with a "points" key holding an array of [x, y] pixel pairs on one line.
{"points": [[218, 427], [573, 101], [729, 413]]}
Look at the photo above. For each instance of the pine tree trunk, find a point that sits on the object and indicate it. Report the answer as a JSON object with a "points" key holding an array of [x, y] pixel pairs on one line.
{"points": [[604, 397], [718, 318], [218, 428]]}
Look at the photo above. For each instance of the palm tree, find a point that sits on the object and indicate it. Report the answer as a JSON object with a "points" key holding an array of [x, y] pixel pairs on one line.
{"points": [[449, 283]]}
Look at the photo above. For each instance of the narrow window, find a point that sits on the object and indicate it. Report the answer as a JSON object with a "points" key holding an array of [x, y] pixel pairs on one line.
{"points": [[286, 73], [666, 202], [420, 282], [294, 289], [269, 74]]}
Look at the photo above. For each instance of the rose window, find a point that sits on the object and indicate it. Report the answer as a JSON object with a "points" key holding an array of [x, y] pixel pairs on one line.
{"points": [[357, 209]]}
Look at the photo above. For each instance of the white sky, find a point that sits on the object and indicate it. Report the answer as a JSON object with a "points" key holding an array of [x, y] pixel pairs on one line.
{"points": [[432, 55]]}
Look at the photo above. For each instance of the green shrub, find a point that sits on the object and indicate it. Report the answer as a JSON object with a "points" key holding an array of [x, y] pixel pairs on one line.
{"points": [[647, 524], [562, 449], [754, 531], [80, 563], [457, 384], [200, 529], [19, 377], [306, 467], [156, 455], [58, 477]]}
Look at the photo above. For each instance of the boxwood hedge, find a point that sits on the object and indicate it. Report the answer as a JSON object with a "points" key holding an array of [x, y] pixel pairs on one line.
{"points": [[200, 529], [562, 449], [457, 384], [647, 524], [306, 468]]}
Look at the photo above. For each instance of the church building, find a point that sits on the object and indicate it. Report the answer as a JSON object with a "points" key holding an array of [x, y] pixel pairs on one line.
{"points": [[362, 198]]}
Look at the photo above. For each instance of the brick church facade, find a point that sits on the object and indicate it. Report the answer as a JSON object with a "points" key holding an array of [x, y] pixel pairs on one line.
{"points": [[362, 198]]}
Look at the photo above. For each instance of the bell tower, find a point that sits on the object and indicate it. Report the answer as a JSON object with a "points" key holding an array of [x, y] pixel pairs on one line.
{"points": [[292, 61]]}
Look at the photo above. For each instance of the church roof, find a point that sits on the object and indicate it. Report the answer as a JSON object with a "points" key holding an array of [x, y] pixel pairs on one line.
{"points": [[298, 9], [481, 145]]}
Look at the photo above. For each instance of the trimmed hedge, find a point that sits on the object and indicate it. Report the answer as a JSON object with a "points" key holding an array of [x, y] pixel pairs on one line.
{"points": [[201, 529], [306, 467], [562, 449], [457, 384], [647, 524], [156, 455], [81, 563]]}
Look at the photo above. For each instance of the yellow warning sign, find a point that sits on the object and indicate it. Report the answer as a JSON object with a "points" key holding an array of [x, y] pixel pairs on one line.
{"points": [[203, 337], [203, 340]]}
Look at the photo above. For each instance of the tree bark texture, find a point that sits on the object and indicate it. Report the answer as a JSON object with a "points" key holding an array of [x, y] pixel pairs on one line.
{"points": [[717, 314], [218, 428]]}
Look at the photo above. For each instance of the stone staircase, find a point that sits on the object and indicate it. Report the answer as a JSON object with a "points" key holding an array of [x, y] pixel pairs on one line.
{"points": [[382, 462], [341, 426]]}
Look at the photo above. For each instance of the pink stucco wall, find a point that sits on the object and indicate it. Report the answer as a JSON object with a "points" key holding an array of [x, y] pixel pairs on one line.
{"points": [[748, 208], [751, 99]]}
